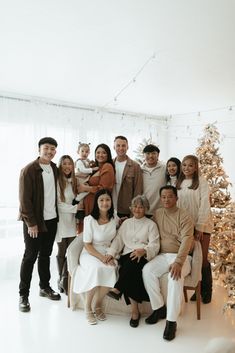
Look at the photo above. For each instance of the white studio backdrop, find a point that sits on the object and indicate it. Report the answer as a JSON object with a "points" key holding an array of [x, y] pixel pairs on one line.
{"points": [[24, 122]]}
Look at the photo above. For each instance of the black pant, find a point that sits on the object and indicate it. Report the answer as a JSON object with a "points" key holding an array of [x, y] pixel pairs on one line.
{"points": [[130, 281], [41, 248]]}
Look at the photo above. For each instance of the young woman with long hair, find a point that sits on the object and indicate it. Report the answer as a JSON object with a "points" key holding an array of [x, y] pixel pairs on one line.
{"points": [[194, 196]]}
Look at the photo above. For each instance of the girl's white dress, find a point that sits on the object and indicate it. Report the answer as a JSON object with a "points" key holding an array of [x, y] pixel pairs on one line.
{"points": [[91, 272]]}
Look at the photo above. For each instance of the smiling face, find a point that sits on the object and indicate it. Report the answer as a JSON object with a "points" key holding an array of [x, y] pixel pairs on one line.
{"points": [[168, 198], [67, 167], [151, 158], [121, 147], [46, 153], [189, 167], [104, 203], [138, 210], [101, 155], [172, 168]]}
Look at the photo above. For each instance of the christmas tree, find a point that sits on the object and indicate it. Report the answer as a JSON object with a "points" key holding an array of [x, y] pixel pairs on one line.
{"points": [[222, 244]]}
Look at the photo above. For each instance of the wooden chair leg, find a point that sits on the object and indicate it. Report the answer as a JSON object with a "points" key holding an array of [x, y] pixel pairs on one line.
{"points": [[185, 295], [198, 300], [69, 285]]}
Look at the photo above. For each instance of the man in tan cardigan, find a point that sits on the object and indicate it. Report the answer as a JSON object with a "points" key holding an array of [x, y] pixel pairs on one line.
{"points": [[176, 237]]}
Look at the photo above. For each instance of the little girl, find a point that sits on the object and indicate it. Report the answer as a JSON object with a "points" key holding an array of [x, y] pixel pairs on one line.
{"points": [[172, 170], [83, 170]]}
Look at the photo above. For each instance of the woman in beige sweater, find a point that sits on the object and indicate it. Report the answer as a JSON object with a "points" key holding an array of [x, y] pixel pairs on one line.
{"points": [[194, 196]]}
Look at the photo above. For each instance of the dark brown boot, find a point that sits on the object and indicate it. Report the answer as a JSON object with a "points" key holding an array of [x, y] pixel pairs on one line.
{"points": [[206, 287]]}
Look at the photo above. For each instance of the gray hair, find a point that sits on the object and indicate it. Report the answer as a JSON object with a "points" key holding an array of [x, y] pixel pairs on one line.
{"points": [[140, 199]]}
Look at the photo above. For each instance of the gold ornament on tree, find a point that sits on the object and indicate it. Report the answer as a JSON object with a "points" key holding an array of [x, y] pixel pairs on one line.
{"points": [[222, 244]]}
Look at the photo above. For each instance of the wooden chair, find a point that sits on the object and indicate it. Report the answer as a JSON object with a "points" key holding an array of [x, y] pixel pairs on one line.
{"points": [[73, 254], [193, 280]]}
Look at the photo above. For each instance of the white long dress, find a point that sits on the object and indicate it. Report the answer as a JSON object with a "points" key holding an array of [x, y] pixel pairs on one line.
{"points": [[66, 226], [91, 272]]}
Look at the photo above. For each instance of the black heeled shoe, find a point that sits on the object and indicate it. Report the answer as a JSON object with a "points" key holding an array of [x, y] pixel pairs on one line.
{"points": [[114, 295], [135, 322]]}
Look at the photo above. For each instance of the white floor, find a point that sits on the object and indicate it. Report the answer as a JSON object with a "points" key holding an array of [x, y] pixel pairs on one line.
{"points": [[52, 327]]}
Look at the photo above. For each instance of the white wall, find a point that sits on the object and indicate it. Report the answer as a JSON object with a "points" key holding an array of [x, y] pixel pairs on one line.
{"points": [[23, 123]]}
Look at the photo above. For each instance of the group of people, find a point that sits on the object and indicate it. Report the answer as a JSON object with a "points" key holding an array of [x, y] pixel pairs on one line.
{"points": [[138, 222]]}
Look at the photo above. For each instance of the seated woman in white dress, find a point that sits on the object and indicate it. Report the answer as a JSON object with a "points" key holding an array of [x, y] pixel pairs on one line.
{"points": [[96, 274], [138, 240]]}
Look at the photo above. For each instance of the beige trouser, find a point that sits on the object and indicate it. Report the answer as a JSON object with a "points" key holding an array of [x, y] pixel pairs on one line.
{"points": [[152, 272]]}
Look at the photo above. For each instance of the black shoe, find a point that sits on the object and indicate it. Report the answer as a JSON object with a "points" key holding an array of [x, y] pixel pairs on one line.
{"points": [[193, 298], [135, 322], [114, 295], [170, 330], [49, 293], [156, 315], [24, 305]]}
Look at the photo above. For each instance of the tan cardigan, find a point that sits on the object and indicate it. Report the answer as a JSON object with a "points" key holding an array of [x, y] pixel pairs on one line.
{"points": [[176, 232]]}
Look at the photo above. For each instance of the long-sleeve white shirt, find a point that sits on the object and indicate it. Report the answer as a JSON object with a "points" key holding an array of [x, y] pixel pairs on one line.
{"points": [[136, 234], [197, 203], [66, 227], [82, 166]]}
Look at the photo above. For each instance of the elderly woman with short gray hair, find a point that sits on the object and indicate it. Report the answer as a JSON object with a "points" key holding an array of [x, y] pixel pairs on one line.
{"points": [[138, 242]]}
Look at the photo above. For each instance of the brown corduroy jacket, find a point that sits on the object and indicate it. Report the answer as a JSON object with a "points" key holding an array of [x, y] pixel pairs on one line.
{"points": [[31, 195], [131, 186]]}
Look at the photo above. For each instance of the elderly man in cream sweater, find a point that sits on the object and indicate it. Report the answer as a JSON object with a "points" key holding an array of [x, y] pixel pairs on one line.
{"points": [[176, 238]]}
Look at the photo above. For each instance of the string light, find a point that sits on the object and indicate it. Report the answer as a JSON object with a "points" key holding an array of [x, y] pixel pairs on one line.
{"points": [[130, 82], [199, 113]]}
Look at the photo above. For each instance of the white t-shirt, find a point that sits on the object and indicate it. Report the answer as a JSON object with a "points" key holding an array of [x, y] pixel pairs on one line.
{"points": [[49, 211], [119, 168]]}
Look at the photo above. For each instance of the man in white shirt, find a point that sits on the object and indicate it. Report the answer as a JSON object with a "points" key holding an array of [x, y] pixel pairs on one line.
{"points": [[129, 180], [154, 177]]}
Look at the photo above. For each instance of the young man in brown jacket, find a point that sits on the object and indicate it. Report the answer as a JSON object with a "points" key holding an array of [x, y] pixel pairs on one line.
{"points": [[38, 211]]}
